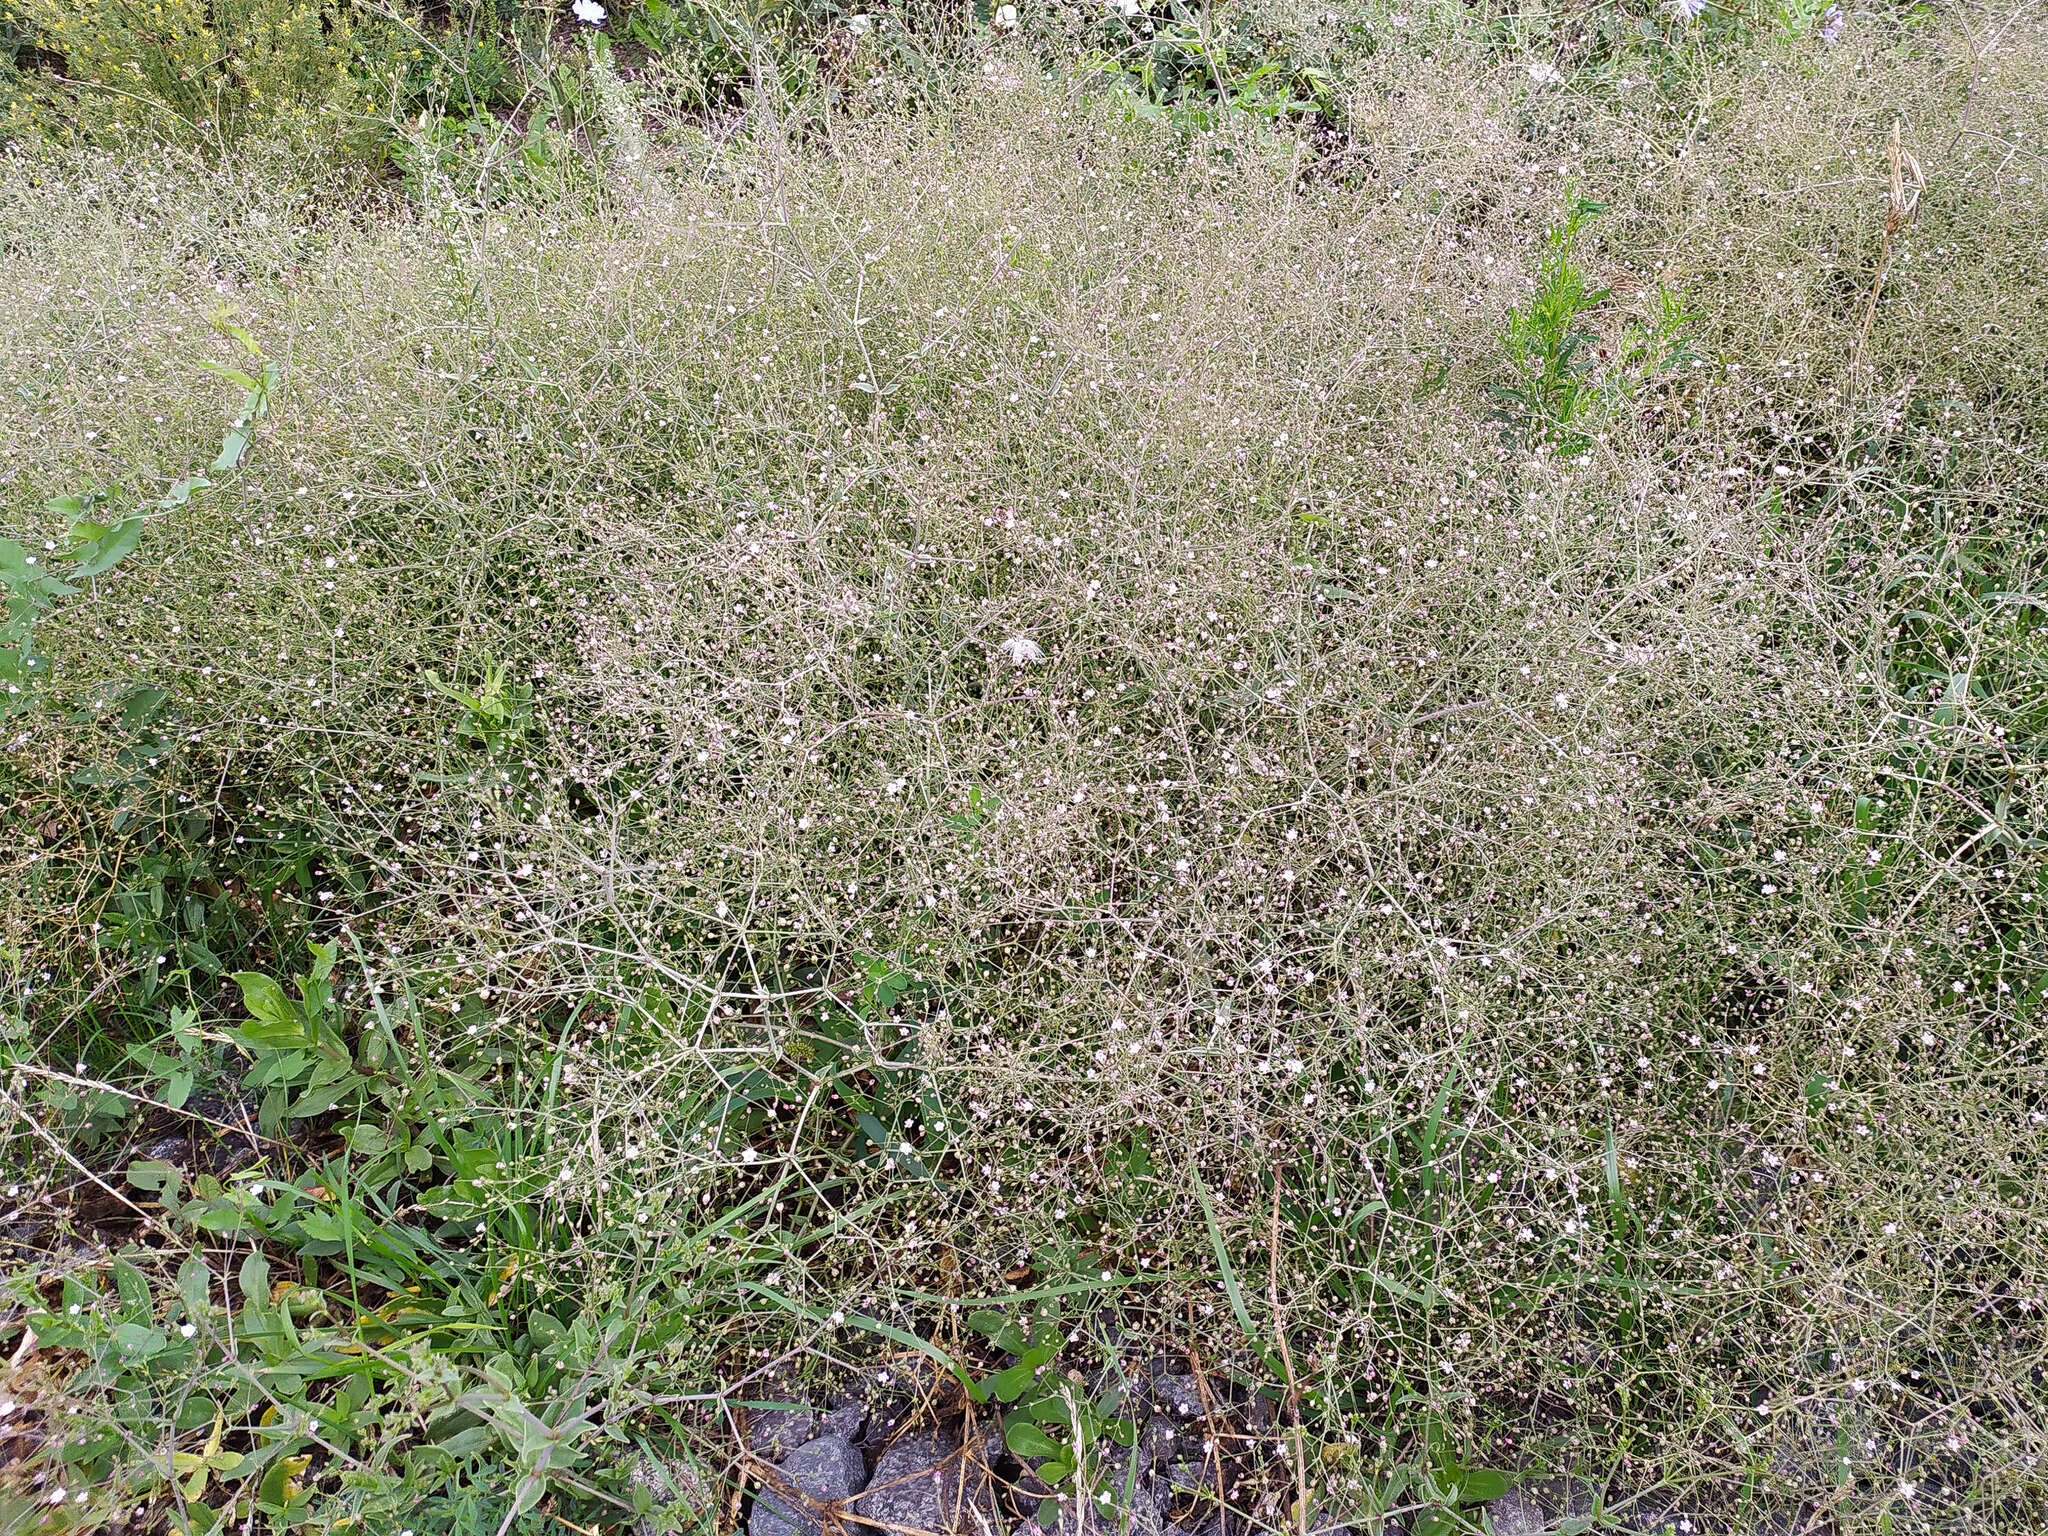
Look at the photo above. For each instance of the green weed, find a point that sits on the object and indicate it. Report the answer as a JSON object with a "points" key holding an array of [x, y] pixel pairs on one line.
{"points": [[1555, 392]]}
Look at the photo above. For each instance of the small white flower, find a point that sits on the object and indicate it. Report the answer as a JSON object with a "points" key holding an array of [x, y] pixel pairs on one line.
{"points": [[1006, 18], [186, 1330], [589, 11], [1543, 72], [1023, 650], [860, 25], [1688, 10], [1125, 8]]}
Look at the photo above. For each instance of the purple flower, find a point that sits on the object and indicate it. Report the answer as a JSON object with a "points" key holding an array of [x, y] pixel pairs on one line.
{"points": [[1831, 24]]}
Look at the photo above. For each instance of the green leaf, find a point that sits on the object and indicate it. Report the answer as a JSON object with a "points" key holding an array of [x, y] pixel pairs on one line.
{"points": [[133, 1287], [1483, 1486], [271, 1491], [1026, 1439], [99, 548], [195, 1285], [23, 573], [254, 1280], [1008, 1385], [323, 959], [265, 999], [154, 1176], [261, 1035], [219, 1218], [232, 375], [181, 492], [232, 449], [135, 1340], [1230, 1286], [463, 1442]]}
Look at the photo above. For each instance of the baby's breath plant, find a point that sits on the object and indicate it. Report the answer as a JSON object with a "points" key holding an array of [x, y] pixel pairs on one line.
{"points": [[991, 719]]}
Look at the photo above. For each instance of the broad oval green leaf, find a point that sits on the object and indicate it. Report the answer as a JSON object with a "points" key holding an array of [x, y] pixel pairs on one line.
{"points": [[1482, 1486], [265, 999], [1026, 1439], [1009, 1385]]}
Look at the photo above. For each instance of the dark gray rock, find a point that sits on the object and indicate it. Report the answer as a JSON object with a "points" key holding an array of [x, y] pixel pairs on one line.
{"points": [[174, 1150], [924, 1484], [1161, 1441], [1515, 1513], [1178, 1397], [825, 1469], [1189, 1475], [1030, 1485], [1536, 1507], [775, 1432], [847, 1420]]}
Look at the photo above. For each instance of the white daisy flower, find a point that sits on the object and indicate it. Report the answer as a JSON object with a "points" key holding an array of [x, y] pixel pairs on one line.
{"points": [[1023, 650]]}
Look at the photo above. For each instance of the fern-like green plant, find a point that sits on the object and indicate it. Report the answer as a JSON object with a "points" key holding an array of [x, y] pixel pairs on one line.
{"points": [[1553, 392]]}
